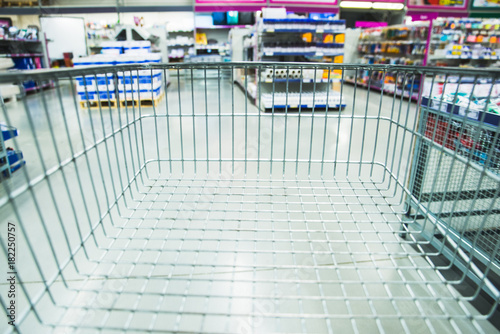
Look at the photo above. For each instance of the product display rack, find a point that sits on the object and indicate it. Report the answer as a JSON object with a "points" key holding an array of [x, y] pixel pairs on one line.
{"points": [[97, 33], [205, 37], [396, 45], [10, 160], [465, 42], [27, 55], [296, 39], [180, 44]]}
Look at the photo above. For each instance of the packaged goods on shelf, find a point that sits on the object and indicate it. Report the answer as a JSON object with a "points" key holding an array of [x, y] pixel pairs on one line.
{"points": [[304, 99], [297, 74], [214, 58], [177, 53], [25, 50], [465, 42], [401, 48], [181, 41], [97, 31], [458, 51], [465, 97], [297, 47], [378, 59], [296, 39], [112, 47], [417, 31], [136, 47], [140, 94], [394, 45], [128, 47], [13, 33], [302, 25]]}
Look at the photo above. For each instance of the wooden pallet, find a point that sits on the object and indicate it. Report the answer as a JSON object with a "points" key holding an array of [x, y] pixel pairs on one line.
{"points": [[142, 102], [98, 104], [18, 3]]}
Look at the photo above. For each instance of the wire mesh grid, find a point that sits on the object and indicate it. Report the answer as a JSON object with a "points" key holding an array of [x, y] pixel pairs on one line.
{"points": [[205, 213]]}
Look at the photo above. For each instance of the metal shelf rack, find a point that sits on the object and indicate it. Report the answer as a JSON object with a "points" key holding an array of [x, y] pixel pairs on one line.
{"points": [[10, 160]]}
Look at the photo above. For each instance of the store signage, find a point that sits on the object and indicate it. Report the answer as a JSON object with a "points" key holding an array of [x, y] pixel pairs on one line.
{"points": [[305, 2], [423, 16], [230, 2], [369, 24], [486, 4], [393, 1], [438, 4]]}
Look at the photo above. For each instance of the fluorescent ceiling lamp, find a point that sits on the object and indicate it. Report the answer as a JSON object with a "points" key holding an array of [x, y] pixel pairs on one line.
{"points": [[356, 4], [388, 5]]}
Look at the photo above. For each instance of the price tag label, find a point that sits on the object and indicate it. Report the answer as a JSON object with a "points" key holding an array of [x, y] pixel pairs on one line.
{"points": [[270, 30], [294, 106], [320, 30], [464, 57], [268, 53], [320, 54]]}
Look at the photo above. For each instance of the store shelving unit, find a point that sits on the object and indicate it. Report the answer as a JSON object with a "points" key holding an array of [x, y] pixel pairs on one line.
{"points": [[397, 45], [98, 33], [26, 55], [221, 49], [10, 160], [218, 27], [289, 40], [206, 45], [212, 32], [465, 42], [179, 50]]}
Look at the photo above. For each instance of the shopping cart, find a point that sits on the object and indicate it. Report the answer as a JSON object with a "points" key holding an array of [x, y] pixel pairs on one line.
{"points": [[220, 208]]}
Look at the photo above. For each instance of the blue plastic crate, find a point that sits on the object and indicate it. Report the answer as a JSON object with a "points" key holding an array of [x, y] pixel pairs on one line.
{"points": [[14, 157]]}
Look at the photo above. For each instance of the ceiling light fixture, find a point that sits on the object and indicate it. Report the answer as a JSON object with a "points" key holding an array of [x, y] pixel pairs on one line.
{"points": [[372, 5], [388, 6], [356, 4]]}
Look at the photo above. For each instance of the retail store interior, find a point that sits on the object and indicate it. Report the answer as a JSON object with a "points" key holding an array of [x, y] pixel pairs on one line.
{"points": [[116, 116]]}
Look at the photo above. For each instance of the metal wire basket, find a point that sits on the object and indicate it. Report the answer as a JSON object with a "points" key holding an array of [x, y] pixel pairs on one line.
{"points": [[291, 205]]}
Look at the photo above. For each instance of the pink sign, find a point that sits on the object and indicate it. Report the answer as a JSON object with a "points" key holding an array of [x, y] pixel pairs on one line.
{"points": [[230, 2], [423, 16], [305, 2], [370, 24], [427, 16], [208, 7]]}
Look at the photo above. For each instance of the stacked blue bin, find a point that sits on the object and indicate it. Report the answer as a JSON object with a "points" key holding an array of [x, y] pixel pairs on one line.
{"points": [[134, 85], [98, 87]]}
